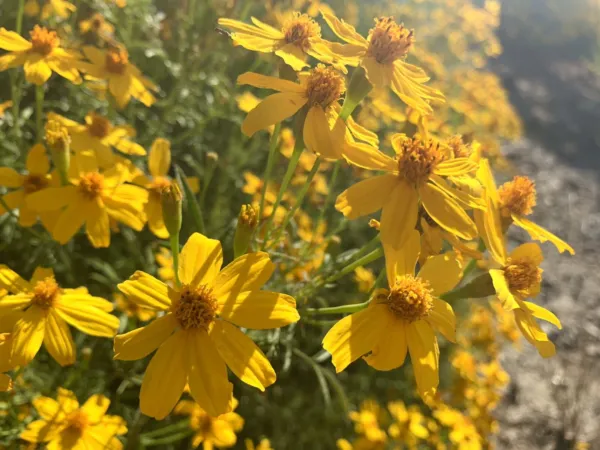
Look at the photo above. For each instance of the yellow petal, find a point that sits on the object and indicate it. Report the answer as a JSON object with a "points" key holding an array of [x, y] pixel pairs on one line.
{"points": [[200, 260], [65, 69], [81, 295], [138, 344], [272, 32], [389, 353], [343, 30], [273, 109], [365, 197], [40, 431], [542, 313], [266, 82], [71, 220], [16, 302], [361, 133], [246, 273], [539, 233], [13, 42], [159, 158], [146, 291], [28, 336], [156, 221], [380, 75], [425, 355], [41, 273], [13, 200], [12, 282], [97, 226], [402, 261], [260, 31], [455, 167], [317, 135], [465, 199], [259, 310], [5, 383], [242, 355], [529, 250], [399, 215], [10, 178], [88, 319], [58, 340], [502, 290], [48, 408], [293, 56], [367, 157], [120, 88], [95, 407], [52, 198], [443, 272], [37, 71], [534, 334], [6, 349], [442, 318]]}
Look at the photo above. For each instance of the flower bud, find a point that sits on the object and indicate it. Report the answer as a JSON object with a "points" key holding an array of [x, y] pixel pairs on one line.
{"points": [[247, 222], [171, 199], [59, 143], [357, 90]]}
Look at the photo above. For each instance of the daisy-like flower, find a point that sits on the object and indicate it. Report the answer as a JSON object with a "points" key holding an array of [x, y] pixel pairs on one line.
{"points": [[210, 431], [49, 8], [5, 383], [124, 79], [101, 136], [299, 37], [64, 424], [40, 56], [197, 338], [404, 317], [382, 56], [46, 310], [414, 177], [159, 162], [37, 178], [91, 199]]}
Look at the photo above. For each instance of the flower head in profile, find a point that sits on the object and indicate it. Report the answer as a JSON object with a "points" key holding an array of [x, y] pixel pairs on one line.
{"points": [[299, 37], [93, 198], [402, 319], [66, 424], [46, 9], [414, 178], [198, 336], [45, 310], [382, 56], [211, 431], [124, 79], [40, 56]]}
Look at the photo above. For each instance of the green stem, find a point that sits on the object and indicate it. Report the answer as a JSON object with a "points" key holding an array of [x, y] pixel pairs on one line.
{"points": [[192, 204], [473, 263], [174, 241], [367, 259], [181, 425], [20, 11], [39, 112], [269, 169], [344, 309]]}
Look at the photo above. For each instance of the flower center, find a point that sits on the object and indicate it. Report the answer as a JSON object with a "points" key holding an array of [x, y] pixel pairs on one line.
{"points": [[417, 160], [77, 421], [459, 148], [389, 41], [45, 292], [91, 185], [99, 127], [197, 307], [299, 29], [517, 196], [522, 273], [117, 60], [34, 183], [43, 41], [324, 86], [159, 184], [410, 298], [97, 21]]}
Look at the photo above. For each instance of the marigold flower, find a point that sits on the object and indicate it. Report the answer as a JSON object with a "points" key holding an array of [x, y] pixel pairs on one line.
{"points": [[382, 56], [45, 309], [403, 317], [40, 56], [65, 424], [92, 199], [49, 8], [197, 338], [211, 431]]}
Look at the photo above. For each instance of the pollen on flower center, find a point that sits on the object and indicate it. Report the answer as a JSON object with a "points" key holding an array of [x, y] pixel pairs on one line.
{"points": [[299, 29], [459, 148], [45, 292], [77, 421], [517, 196], [99, 126], [324, 86], [197, 307], [117, 60], [43, 41], [417, 160], [34, 183], [410, 298], [522, 273], [389, 41], [91, 185]]}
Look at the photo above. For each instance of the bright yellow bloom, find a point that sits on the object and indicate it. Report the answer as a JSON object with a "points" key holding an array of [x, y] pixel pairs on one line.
{"points": [[99, 135], [264, 444], [45, 310], [49, 8], [413, 178], [159, 162], [382, 56], [211, 431], [403, 317], [299, 37], [96, 25], [40, 56], [4, 106], [464, 435], [366, 421], [91, 199], [409, 424], [64, 424], [37, 179], [124, 79], [133, 309], [364, 278], [197, 338]]}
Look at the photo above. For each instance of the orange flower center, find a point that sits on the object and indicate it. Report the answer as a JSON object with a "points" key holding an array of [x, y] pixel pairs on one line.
{"points": [[45, 292], [459, 148], [324, 86], [77, 421], [99, 127], [43, 41], [417, 160], [159, 184], [517, 196], [117, 60], [389, 41], [91, 185], [196, 308], [299, 30], [522, 273], [34, 183], [410, 298]]}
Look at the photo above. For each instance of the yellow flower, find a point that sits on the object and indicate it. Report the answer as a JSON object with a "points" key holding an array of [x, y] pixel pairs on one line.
{"points": [[45, 310], [366, 421], [165, 261], [414, 177], [133, 309], [264, 444], [37, 179], [124, 79], [403, 317], [49, 8], [5, 383], [299, 37], [408, 426], [99, 135], [159, 162], [211, 431], [198, 338], [92, 199], [96, 25], [364, 278], [40, 56], [64, 424], [4, 106], [382, 56]]}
